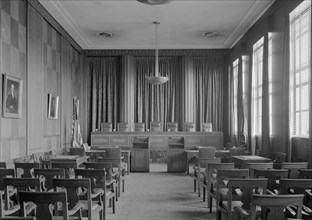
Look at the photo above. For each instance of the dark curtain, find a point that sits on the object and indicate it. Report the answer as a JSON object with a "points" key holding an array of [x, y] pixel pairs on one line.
{"points": [[209, 81], [158, 102], [104, 73]]}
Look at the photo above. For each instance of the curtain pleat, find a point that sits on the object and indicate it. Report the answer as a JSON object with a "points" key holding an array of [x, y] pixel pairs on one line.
{"points": [[158, 102], [104, 73], [209, 81]]}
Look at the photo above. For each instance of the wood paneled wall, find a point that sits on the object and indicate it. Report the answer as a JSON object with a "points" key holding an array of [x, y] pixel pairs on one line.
{"points": [[33, 49]]}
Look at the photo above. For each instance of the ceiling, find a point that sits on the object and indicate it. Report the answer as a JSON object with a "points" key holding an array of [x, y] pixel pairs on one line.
{"points": [[182, 22]]}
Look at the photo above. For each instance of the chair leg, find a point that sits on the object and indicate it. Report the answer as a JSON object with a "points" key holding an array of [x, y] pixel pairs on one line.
{"points": [[113, 205], [198, 187], [123, 185], [204, 194], [194, 185]]}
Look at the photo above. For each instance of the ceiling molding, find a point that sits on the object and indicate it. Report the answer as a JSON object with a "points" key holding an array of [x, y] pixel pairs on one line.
{"points": [[181, 52]]}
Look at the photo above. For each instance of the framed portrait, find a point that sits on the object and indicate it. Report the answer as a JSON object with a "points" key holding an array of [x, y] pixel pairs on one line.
{"points": [[53, 102], [12, 97]]}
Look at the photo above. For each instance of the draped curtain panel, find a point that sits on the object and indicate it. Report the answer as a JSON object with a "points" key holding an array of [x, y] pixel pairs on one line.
{"points": [[209, 81], [104, 73], [158, 102]]}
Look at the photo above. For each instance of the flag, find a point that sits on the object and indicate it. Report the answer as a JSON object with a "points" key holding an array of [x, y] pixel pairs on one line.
{"points": [[76, 140]]}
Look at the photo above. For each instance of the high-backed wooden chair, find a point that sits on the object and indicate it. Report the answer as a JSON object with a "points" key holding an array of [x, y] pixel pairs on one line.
{"points": [[189, 127], [206, 127], [5, 173], [305, 174], [204, 153], [172, 126], [43, 202], [99, 185], [156, 126], [18, 184], [273, 176], [210, 183], [258, 166], [68, 167], [297, 186], [25, 170], [106, 127], [239, 195], [293, 168], [200, 177], [111, 177], [91, 203], [139, 127], [47, 176], [122, 126], [275, 204]]}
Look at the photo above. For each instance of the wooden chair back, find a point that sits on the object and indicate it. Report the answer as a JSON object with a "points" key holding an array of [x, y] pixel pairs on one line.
{"points": [[74, 188], [106, 166], [20, 184], [241, 190], [5, 173], [48, 175], [305, 174], [276, 205], [77, 151], [106, 127], [189, 127], [206, 127], [225, 174], [206, 152], [68, 167], [294, 186], [212, 170], [258, 166], [25, 170], [172, 126], [113, 152], [273, 176], [156, 126], [2, 165], [122, 126], [43, 200], [139, 127], [293, 168]]}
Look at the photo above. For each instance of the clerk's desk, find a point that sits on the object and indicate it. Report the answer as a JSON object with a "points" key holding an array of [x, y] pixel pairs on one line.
{"points": [[157, 140]]}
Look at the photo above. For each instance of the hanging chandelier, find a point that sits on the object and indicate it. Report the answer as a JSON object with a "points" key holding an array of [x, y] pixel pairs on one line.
{"points": [[155, 2], [157, 79]]}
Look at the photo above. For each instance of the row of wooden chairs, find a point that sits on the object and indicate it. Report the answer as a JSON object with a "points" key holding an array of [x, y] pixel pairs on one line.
{"points": [[155, 126], [212, 192], [92, 181]]}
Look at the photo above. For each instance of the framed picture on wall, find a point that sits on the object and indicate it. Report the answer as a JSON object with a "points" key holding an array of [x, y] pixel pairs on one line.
{"points": [[53, 102], [12, 97]]}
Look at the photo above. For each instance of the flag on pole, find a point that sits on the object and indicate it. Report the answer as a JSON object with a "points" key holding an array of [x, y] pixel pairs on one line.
{"points": [[76, 140]]}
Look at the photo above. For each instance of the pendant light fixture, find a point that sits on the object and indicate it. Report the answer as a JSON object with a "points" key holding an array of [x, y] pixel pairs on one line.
{"points": [[155, 2], [157, 79]]}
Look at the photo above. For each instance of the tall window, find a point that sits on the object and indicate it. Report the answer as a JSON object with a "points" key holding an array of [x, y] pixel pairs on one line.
{"points": [[300, 68], [270, 76], [235, 102], [257, 72]]}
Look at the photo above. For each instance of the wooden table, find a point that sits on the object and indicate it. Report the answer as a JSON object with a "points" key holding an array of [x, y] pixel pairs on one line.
{"points": [[242, 160], [68, 162], [194, 153]]}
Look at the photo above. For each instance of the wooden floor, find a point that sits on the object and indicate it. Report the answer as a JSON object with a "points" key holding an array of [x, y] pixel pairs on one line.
{"points": [[159, 195]]}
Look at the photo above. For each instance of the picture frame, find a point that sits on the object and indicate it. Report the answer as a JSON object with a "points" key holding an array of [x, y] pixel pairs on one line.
{"points": [[12, 96], [53, 102]]}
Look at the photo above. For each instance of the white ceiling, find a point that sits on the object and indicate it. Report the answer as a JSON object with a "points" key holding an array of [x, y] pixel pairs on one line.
{"points": [[182, 22]]}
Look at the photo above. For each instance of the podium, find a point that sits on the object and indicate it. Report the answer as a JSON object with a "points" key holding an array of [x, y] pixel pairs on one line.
{"points": [[140, 154], [176, 160]]}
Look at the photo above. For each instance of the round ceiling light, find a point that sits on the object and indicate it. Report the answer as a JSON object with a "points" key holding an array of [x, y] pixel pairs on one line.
{"points": [[210, 34], [105, 34], [155, 2]]}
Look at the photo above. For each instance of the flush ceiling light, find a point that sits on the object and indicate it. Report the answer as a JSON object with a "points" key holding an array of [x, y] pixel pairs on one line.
{"points": [[157, 79], [210, 34], [105, 34], [155, 2]]}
